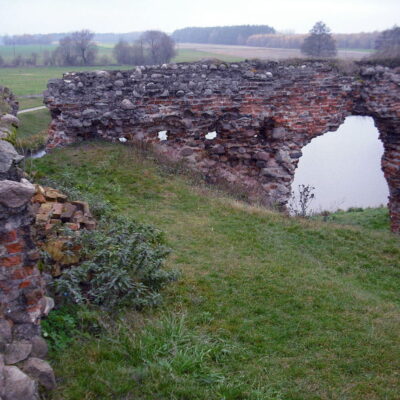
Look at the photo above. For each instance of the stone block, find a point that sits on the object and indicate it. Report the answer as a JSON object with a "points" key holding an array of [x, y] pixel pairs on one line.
{"points": [[18, 385], [17, 351], [68, 211], [15, 194], [39, 347], [41, 371]]}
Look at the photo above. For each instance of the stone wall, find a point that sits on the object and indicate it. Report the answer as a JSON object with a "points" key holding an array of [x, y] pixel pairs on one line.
{"points": [[263, 115], [22, 296]]}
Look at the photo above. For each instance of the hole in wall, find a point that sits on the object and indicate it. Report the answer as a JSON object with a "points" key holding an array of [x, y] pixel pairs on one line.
{"points": [[163, 135], [344, 167], [211, 135]]}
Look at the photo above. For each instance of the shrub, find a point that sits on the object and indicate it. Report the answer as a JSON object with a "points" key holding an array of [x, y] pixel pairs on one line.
{"points": [[63, 325], [123, 266], [301, 206]]}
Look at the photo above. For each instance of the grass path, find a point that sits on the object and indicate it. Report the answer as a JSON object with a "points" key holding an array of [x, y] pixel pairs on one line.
{"points": [[298, 309]]}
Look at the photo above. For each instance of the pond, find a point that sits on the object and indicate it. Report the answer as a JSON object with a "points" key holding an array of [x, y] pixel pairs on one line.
{"points": [[344, 167]]}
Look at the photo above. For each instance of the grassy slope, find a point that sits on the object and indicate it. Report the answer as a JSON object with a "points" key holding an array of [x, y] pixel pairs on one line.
{"points": [[297, 309], [32, 132], [33, 122], [370, 218]]}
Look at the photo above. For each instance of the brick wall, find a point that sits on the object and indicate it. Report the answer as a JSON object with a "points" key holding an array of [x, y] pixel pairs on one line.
{"points": [[263, 114], [22, 292]]}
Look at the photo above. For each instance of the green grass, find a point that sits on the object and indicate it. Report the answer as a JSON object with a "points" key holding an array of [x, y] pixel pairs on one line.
{"points": [[370, 218], [268, 307], [26, 81], [25, 103], [32, 132], [9, 52]]}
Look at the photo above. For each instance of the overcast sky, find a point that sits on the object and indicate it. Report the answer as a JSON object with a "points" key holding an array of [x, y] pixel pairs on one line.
{"points": [[46, 16]]}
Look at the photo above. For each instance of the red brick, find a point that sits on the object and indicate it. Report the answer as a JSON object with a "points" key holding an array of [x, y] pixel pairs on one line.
{"points": [[22, 273], [8, 237], [10, 261], [16, 247], [25, 284]]}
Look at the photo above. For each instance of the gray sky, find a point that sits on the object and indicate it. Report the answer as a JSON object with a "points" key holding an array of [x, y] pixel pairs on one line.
{"points": [[46, 16]]}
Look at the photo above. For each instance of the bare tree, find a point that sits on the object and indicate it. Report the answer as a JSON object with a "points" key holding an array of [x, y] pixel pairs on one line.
{"points": [[129, 54], [84, 46], [65, 53], [76, 49], [320, 42], [160, 46]]}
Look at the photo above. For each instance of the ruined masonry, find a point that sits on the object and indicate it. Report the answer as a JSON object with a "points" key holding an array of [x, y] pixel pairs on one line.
{"points": [[263, 114], [22, 296]]}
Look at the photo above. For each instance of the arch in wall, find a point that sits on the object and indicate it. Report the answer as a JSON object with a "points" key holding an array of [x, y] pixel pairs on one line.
{"points": [[344, 167]]}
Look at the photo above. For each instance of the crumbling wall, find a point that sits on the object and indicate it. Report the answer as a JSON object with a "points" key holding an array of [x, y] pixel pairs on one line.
{"points": [[263, 115], [22, 296]]}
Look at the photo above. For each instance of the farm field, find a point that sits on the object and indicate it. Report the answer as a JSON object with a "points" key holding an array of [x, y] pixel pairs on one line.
{"points": [[9, 52], [28, 81], [267, 307], [261, 52]]}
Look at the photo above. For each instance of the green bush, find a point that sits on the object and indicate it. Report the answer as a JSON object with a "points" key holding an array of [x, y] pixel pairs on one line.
{"points": [[67, 323], [60, 328], [123, 266]]}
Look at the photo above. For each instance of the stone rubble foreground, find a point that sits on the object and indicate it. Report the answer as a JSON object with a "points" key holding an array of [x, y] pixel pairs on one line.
{"points": [[22, 292]]}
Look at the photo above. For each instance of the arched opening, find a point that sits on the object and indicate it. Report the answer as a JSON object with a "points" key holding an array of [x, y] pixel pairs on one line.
{"points": [[344, 167]]}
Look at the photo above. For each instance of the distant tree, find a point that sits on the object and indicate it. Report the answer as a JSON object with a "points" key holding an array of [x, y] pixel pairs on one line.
{"points": [[128, 54], [32, 60], [76, 49], [27, 39], [1, 61], [320, 42], [160, 47], [236, 34], [84, 46], [65, 54], [49, 58], [387, 44], [123, 52]]}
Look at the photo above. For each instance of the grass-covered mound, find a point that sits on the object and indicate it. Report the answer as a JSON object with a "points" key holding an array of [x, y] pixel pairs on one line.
{"points": [[370, 218], [267, 307]]}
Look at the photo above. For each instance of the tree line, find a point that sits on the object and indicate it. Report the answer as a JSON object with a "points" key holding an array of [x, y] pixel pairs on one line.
{"points": [[156, 47], [362, 40], [152, 47], [16, 40], [237, 34], [80, 49], [40, 38], [321, 43]]}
